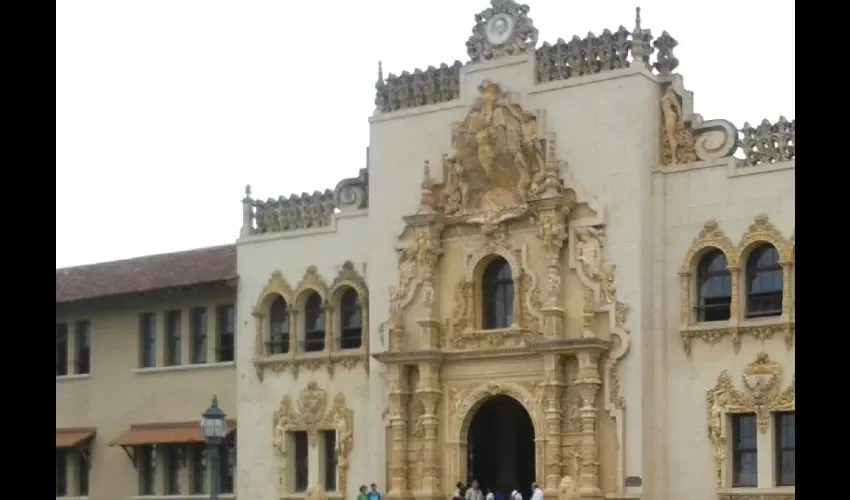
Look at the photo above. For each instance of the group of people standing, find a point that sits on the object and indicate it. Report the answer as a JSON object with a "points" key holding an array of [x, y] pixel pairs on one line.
{"points": [[474, 492], [370, 494]]}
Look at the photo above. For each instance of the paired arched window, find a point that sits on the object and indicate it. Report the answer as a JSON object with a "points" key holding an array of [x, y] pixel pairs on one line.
{"points": [[497, 295], [278, 342], [764, 282], [314, 324], [351, 321], [714, 288]]}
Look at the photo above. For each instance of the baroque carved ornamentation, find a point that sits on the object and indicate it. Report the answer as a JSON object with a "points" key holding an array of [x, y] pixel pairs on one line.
{"points": [[305, 211], [420, 88], [310, 413], [330, 359], [763, 395], [768, 143], [756, 496], [501, 30], [677, 140], [712, 237]]}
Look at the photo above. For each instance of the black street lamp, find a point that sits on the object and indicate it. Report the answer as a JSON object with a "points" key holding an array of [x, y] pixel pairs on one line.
{"points": [[214, 430]]}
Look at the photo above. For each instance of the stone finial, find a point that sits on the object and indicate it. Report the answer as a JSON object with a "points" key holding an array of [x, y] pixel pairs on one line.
{"points": [[247, 213], [666, 62], [426, 200], [380, 72], [641, 38]]}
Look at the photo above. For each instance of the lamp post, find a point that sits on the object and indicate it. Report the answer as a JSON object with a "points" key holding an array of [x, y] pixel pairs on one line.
{"points": [[214, 430]]}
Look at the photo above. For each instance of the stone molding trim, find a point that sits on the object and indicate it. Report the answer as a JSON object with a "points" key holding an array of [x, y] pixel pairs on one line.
{"points": [[311, 414], [763, 395], [712, 237], [330, 358]]}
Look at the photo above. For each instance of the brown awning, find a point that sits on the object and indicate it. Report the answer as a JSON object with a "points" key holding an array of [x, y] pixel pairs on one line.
{"points": [[69, 438], [164, 433]]}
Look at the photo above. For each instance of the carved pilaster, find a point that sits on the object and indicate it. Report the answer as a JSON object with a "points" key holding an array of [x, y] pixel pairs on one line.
{"points": [[786, 290], [588, 383], [553, 235], [518, 295], [428, 392], [293, 329], [685, 285], [399, 396], [553, 386]]}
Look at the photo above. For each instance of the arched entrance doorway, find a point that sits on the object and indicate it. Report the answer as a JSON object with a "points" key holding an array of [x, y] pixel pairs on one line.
{"points": [[500, 446]]}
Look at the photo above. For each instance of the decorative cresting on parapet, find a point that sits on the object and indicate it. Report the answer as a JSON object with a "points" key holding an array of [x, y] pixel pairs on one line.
{"points": [[685, 136], [768, 143], [312, 415], [609, 51], [763, 395], [712, 237], [432, 86], [756, 496], [330, 359], [305, 211]]}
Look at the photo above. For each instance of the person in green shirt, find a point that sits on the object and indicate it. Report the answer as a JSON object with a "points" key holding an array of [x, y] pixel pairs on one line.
{"points": [[362, 495]]}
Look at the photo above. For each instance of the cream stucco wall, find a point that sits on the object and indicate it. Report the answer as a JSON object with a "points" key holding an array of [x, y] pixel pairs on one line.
{"points": [[117, 393]]}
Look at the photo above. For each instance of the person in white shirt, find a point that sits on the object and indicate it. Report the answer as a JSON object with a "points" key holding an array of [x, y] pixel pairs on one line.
{"points": [[474, 492], [458, 494], [490, 495], [537, 493], [515, 495]]}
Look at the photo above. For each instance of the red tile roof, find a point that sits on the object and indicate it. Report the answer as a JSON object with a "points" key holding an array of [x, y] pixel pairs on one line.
{"points": [[146, 274]]}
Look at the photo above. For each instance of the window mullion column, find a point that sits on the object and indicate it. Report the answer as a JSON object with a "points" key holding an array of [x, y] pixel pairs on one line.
{"points": [[766, 451]]}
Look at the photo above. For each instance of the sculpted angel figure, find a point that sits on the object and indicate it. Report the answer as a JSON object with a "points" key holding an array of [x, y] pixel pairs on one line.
{"points": [[344, 438], [590, 251], [673, 117], [457, 188], [715, 429]]}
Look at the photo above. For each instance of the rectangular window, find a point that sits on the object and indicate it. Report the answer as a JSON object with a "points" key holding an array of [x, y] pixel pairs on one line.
{"points": [[301, 465], [198, 452], [173, 340], [61, 472], [172, 469], [83, 348], [61, 349], [146, 463], [329, 441], [225, 332], [786, 458], [198, 329], [82, 476], [227, 465], [147, 340], [744, 451]]}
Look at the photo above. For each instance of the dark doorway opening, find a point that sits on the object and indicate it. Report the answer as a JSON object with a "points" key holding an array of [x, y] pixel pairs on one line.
{"points": [[501, 447]]}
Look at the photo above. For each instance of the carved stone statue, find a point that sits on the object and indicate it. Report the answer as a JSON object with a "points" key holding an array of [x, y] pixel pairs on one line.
{"points": [[567, 489], [671, 113], [589, 248], [344, 438]]}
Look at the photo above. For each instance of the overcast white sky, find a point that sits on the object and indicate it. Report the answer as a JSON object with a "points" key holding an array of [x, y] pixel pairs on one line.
{"points": [[165, 109]]}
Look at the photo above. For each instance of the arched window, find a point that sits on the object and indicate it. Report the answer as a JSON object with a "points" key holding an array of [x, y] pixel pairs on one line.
{"points": [[714, 288], [764, 283], [314, 324], [278, 342], [351, 321], [497, 295]]}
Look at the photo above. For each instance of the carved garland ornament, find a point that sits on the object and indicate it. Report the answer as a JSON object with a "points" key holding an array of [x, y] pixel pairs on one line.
{"points": [[312, 281], [711, 237], [763, 395], [311, 416]]}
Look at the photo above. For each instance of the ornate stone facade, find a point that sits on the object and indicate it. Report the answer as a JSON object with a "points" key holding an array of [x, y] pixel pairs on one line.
{"points": [[594, 196]]}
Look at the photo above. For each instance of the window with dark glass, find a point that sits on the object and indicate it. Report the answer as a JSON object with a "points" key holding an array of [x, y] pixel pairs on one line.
{"points": [[225, 349], [172, 469], [146, 463], [714, 288], [198, 470], [497, 301], [329, 442], [147, 340], [744, 450], [278, 327], [300, 463], [786, 457], [173, 341], [198, 332], [61, 472], [314, 324], [227, 465], [764, 283], [82, 335], [61, 349], [82, 475], [351, 321]]}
